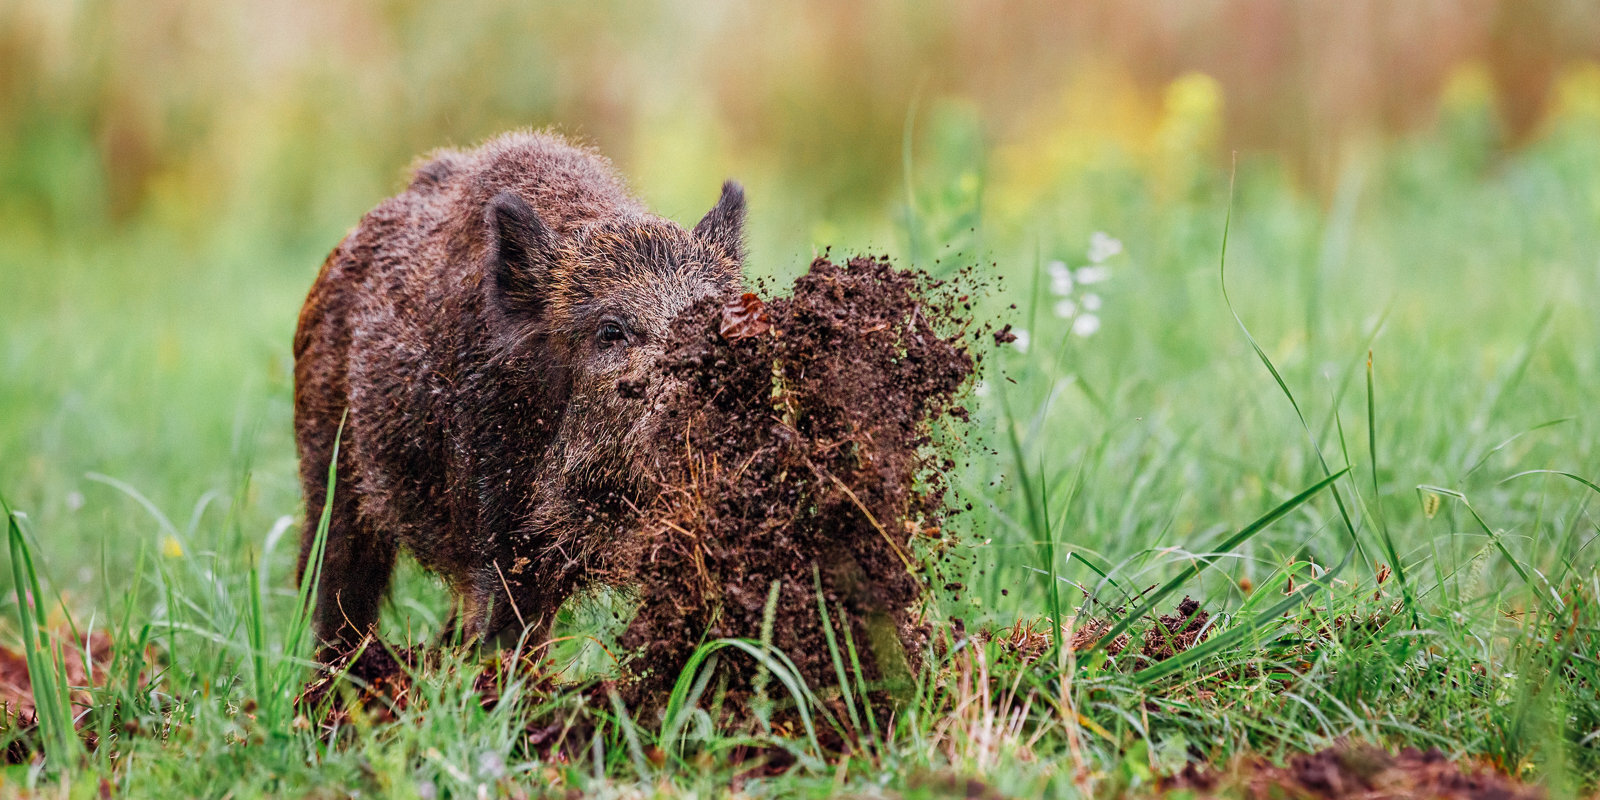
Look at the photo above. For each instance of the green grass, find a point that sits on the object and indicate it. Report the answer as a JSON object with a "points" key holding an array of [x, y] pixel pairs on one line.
{"points": [[1398, 382]]}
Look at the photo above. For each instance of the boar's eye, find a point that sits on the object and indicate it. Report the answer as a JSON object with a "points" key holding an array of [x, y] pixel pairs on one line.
{"points": [[610, 333]]}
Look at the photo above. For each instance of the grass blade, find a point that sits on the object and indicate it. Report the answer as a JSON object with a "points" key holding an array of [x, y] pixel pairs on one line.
{"points": [[833, 650], [46, 670], [1222, 273], [1377, 502]]}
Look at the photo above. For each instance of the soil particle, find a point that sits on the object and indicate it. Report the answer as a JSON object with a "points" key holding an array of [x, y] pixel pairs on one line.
{"points": [[1356, 771], [802, 456]]}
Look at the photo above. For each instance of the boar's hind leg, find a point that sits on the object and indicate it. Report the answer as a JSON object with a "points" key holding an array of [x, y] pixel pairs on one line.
{"points": [[356, 560]]}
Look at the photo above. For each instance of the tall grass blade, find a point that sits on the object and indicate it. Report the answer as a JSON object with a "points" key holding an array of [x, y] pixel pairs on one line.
{"points": [[861, 675], [46, 668], [1484, 459], [1054, 596], [1377, 502], [1577, 478], [686, 693], [1222, 273], [301, 622], [630, 736], [833, 651]]}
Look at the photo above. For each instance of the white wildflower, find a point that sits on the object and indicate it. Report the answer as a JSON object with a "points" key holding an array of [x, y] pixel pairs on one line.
{"points": [[1086, 325], [1065, 308], [1060, 279], [1091, 274], [1102, 247], [1091, 301]]}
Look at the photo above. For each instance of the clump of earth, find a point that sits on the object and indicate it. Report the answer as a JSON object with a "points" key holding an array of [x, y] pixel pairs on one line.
{"points": [[800, 472]]}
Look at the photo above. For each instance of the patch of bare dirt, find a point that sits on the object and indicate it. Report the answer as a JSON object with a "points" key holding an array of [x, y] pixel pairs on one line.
{"points": [[1356, 771]]}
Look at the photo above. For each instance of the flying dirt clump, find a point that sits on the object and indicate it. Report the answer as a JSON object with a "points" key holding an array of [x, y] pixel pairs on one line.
{"points": [[801, 454]]}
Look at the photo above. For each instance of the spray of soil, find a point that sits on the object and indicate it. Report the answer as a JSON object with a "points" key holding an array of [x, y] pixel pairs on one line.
{"points": [[800, 463]]}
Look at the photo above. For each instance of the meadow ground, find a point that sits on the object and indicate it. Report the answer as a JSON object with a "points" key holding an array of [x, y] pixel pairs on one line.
{"points": [[1426, 335]]}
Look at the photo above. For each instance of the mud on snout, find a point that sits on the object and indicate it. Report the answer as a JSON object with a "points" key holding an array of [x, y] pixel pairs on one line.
{"points": [[605, 442]]}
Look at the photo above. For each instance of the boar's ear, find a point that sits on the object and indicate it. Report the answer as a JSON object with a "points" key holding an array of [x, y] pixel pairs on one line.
{"points": [[521, 249], [723, 225]]}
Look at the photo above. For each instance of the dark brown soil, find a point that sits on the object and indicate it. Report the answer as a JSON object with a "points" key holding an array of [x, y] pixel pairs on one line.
{"points": [[1175, 633], [1365, 772], [1162, 637], [803, 454]]}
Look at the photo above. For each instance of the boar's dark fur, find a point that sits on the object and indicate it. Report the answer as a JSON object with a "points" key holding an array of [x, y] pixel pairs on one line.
{"points": [[471, 335]]}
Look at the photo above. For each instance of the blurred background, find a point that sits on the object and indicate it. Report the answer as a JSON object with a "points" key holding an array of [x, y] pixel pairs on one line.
{"points": [[296, 115], [172, 172]]}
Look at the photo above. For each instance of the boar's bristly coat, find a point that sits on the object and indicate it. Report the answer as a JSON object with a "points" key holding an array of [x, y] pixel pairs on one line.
{"points": [[485, 338]]}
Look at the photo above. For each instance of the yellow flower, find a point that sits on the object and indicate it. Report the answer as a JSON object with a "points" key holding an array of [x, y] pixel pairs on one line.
{"points": [[171, 547]]}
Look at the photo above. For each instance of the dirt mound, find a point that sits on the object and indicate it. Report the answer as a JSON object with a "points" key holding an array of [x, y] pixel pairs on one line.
{"points": [[802, 454], [1162, 637], [1365, 772]]}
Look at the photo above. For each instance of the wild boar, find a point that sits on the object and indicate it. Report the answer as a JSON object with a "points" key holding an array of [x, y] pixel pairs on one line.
{"points": [[484, 339]]}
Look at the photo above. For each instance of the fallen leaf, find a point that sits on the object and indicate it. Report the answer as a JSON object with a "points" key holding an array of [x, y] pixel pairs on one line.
{"points": [[744, 317]]}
